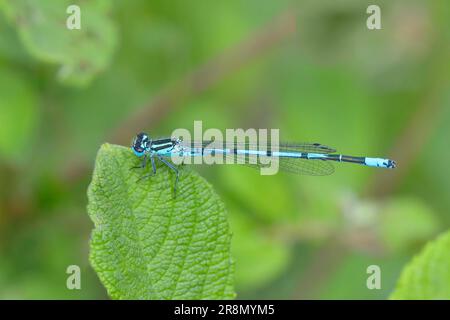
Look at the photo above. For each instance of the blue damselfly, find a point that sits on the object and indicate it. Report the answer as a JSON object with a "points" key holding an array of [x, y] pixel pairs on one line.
{"points": [[299, 158]]}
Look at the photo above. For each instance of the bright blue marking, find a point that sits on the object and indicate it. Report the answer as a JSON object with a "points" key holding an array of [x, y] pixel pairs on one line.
{"points": [[139, 154], [378, 162], [282, 154], [315, 155]]}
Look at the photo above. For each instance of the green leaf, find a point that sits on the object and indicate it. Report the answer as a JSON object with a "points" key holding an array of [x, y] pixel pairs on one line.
{"points": [[427, 276], [149, 245], [79, 53]]}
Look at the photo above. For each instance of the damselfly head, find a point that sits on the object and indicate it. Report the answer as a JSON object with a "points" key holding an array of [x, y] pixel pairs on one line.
{"points": [[140, 144]]}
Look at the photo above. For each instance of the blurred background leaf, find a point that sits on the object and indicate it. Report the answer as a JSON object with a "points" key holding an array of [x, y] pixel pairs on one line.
{"points": [[418, 223], [79, 54]]}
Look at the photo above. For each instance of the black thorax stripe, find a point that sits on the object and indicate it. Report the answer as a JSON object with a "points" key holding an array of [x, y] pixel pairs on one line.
{"points": [[162, 144]]}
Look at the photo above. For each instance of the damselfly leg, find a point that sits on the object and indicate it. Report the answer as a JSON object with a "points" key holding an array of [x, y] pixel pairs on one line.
{"points": [[171, 166], [167, 163], [153, 165], [143, 164]]}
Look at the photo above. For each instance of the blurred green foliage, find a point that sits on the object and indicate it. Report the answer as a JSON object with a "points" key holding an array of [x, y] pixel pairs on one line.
{"points": [[384, 93], [79, 55]]}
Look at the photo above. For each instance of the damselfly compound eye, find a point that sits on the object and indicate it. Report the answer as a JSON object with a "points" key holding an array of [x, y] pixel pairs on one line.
{"points": [[140, 144]]}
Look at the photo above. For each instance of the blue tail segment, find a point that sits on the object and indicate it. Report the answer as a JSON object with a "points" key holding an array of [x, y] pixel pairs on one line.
{"points": [[380, 162]]}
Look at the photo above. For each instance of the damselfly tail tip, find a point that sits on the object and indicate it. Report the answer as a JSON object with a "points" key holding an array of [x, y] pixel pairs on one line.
{"points": [[391, 164]]}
